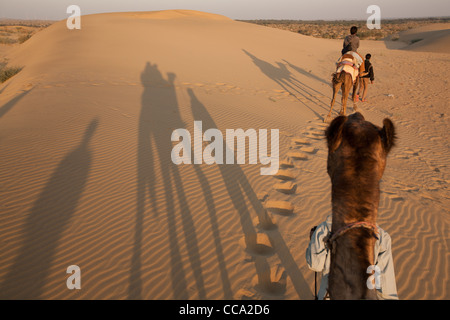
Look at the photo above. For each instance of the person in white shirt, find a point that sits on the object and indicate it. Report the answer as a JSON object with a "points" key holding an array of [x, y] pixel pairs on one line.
{"points": [[318, 260]]}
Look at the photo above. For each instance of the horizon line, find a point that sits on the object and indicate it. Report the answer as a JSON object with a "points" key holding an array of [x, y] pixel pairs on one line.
{"points": [[246, 19]]}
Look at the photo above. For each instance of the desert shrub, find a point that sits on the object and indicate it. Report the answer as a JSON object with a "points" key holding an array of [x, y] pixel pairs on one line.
{"points": [[25, 37], [7, 72], [6, 40]]}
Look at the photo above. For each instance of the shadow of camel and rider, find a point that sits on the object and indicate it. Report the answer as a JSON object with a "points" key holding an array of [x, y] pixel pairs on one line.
{"points": [[48, 219], [239, 189], [284, 78], [160, 112]]}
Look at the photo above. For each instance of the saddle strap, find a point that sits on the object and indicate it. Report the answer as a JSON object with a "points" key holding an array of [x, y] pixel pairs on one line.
{"points": [[348, 63], [331, 237]]}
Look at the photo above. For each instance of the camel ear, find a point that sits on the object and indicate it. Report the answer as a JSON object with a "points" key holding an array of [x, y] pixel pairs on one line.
{"points": [[334, 133], [388, 135]]}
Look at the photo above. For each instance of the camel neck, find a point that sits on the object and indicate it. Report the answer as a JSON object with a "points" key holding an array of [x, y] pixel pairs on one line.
{"points": [[354, 252], [355, 201]]}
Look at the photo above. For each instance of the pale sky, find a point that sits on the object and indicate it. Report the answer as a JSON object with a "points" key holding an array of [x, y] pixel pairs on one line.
{"points": [[235, 9]]}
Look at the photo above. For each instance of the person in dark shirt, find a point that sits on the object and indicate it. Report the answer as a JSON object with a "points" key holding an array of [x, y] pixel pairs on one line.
{"points": [[351, 42], [364, 80]]}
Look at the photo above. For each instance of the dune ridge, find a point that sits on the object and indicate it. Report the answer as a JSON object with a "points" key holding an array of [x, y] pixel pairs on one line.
{"points": [[432, 38]]}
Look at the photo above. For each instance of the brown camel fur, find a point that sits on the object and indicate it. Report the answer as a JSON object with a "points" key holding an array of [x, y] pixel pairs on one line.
{"points": [[343, 81], [357, 152]]}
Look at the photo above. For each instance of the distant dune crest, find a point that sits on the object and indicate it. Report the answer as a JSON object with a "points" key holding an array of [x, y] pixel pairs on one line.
{"points": [[175, 14]]}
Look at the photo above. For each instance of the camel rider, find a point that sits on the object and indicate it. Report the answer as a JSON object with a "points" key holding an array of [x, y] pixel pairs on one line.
{"points": [[350, 46], [351, 42], [318, 260]]}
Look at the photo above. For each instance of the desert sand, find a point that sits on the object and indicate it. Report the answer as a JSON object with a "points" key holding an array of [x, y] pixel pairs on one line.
{"points": [[86, 176]]}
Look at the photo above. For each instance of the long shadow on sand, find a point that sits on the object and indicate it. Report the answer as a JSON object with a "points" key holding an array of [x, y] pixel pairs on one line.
{"points": [[239, 189], [4, 88], [308, 74], [283, 77], [159, 115], [10, 104], [47, 220]]}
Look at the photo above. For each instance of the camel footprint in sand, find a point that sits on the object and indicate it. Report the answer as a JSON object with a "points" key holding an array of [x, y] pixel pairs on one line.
{"points": [[273, 280], [299, 150]]}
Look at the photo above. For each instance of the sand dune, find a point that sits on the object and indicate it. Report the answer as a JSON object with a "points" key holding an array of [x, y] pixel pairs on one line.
{"points": [[87, 179], [431, 38]]}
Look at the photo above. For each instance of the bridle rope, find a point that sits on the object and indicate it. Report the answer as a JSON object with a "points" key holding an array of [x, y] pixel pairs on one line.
{"points": [[332, 236]]}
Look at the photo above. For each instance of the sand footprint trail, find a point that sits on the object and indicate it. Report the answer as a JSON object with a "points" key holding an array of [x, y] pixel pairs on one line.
{"points": [[279, 202], [264, 246]]}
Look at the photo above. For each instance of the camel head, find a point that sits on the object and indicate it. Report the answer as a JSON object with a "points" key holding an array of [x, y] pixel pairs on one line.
{"points": [[357, 149], [357, 152]]}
